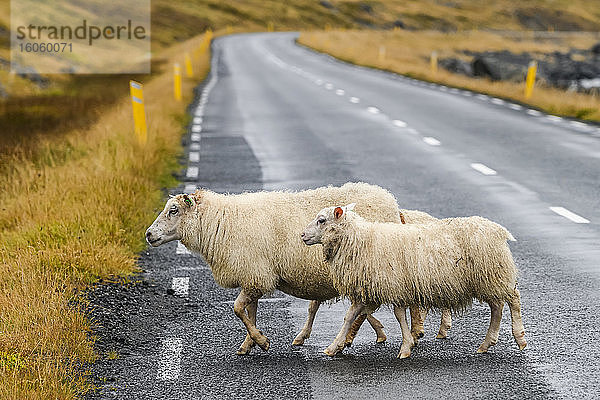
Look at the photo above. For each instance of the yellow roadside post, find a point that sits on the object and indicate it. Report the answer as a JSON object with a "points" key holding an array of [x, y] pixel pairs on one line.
{"points": [[188, 66], [530, 79], [177, 82], [270, 26], [229, 29], [136, 90], [434, 62], [381, 53]]}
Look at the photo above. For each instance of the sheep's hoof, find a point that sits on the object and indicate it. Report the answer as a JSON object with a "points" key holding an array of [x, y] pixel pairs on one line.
{"points": [[381, 339], [403, 355], [331, 352], [299, 341], [243, 351], [482, 349], [441, 335], [522, 345], [264, 344]]}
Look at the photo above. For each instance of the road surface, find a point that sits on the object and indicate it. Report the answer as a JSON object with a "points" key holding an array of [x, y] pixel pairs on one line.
{"points": [[274, 115]]}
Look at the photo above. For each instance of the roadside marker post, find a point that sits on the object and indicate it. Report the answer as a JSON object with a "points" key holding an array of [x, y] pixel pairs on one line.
{"points": [[381, 53], [188, 66], [434, 62], [136, 90], [177, 82], [270, 26], [229, 30], [530, 79]]}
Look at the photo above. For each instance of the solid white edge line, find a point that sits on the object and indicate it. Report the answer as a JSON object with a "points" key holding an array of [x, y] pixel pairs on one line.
{"points": [[569, 215], [485, 170], [169, 363]]}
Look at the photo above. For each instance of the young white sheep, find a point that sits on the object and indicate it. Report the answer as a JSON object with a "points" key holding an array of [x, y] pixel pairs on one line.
{"points": [[441, 264], [252, 241]]}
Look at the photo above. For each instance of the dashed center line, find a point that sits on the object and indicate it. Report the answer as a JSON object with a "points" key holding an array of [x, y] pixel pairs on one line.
{"points": [[194, 156], [569, 215], [354, 100], [169, 363], [431, 141], [373, 110], [188, 189], [483, 169], [192, 172], [340, 92], [400, 124], [181, 286]]}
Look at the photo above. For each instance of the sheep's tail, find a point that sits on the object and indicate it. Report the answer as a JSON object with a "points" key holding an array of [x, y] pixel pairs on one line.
{"points": [[510, 236]]}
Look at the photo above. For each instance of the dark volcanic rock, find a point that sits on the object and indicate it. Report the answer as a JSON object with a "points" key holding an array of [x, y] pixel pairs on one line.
{"points": [[502, 65], [457, 66], [326, 4]]}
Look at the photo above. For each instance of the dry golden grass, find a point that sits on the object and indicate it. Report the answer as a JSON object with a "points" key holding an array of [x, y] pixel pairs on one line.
{"points": [[72, 211], [408, 53]]}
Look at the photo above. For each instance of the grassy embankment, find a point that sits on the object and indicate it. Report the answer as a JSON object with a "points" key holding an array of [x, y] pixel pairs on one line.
{"points": [[408, 53]]}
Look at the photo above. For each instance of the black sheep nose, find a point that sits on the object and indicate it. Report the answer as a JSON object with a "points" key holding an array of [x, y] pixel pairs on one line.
{"points": [[148, 234]]}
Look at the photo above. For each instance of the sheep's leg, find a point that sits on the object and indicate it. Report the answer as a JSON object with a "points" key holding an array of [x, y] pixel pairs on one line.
{"points": [[248, 342], [239, 307], [417, 319], [445, 324], [304, 334], [517, 323], [354, 329], [491, 338], [338, 344], [378, 327], [407, 338]]}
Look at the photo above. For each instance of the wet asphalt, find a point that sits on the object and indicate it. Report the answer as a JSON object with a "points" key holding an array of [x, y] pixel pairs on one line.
{"points": [[279, 116]]}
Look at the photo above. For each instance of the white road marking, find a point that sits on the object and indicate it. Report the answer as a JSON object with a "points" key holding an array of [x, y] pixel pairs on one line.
{"points": [[192, 172], [400, 124], [199, 111], [455, 91], [194, 156], [195, 146], [444, 88], [534, 113], [181, 285], [169, 364], [196, 128], [188, 189], [340, 92], [319, 82], [373, 110], [483, 169], [466, 93], [569, 215], [354, 100], [515, 107], [197, 120], [579, 125], [328, 86], [195, 137], [482, 97], [413, 131], [498, 101], [431, 141], [554, 118], [181, 249]]}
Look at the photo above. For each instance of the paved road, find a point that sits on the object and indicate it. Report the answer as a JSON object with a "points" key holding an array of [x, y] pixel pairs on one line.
{"points": [[276, 115]]}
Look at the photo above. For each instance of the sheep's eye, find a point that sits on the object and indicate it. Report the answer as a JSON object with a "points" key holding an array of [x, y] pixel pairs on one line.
{"points": [[173, 211], [321, 221]]}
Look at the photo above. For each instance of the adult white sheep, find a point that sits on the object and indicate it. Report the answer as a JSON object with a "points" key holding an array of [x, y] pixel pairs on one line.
{"points": [[252, 241], [440, 264]]}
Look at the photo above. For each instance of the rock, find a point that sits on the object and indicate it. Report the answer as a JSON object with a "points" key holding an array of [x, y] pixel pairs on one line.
{"points": [[399, 24], [595, 49], [366, 8], [456, 66], [326, 4]]}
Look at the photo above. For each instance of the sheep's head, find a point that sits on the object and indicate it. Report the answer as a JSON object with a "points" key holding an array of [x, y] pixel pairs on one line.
{"points": [[165, 227], [325, 220]]}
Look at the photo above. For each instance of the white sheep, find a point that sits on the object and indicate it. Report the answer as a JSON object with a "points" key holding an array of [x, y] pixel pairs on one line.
{"points": [[441, 264], [252, 241]]}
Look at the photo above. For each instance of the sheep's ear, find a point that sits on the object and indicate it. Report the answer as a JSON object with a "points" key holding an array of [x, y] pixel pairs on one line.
{"points": [[350, 207], [338, 212], [187, 201]]}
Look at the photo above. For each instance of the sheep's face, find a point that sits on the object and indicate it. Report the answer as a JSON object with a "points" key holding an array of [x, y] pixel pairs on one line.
{"points": [[326, 219], [165, 227]]}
